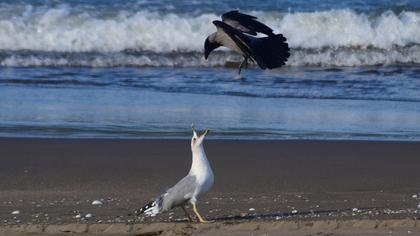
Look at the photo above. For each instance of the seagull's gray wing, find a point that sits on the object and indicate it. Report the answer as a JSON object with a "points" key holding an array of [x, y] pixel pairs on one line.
{"points": [[180, 193], [246, 23]]}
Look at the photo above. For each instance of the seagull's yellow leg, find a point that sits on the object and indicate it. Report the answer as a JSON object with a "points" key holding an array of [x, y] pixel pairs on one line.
{"points": [[201, 219], [186, 214]]}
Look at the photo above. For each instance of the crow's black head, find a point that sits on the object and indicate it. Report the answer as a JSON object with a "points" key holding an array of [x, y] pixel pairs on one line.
{"points": [[209, 46]]}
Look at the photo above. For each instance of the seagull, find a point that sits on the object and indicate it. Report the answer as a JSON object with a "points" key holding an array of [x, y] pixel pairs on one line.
{"points": [[198, 181], [238, 32]]}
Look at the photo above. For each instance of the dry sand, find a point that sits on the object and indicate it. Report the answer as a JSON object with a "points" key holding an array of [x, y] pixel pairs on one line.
{"points": [[261, 187]]}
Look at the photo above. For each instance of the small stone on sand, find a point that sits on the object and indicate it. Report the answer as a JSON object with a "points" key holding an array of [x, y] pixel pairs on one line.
{"points": [[97, 202], [15, 212]]}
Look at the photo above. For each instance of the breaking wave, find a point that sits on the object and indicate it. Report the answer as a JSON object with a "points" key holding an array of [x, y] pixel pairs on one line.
{"points": [[66, 36]]}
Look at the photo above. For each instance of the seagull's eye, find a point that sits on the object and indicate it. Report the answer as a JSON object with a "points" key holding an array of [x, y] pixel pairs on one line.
{"points": [[194, 139]]}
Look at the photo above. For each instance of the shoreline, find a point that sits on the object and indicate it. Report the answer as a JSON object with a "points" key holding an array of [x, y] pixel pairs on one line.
{"points": [[181, 138]]}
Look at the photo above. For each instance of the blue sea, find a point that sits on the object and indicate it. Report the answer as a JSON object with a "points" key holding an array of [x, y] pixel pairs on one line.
{"points": [[135, 69]]}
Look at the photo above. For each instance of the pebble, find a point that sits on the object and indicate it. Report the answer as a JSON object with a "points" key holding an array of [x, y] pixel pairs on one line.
{"points": [[294, 211], [78, 216], [251, 209], [414, 196], [418, 206], [97, 202], [88, 215], [15, 212]]}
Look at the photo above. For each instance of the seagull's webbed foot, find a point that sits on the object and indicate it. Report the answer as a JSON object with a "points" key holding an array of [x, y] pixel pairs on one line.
{"points": [[200, 218]]}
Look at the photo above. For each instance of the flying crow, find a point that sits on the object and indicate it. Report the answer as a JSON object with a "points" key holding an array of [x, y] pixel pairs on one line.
{"points": [[238, 32]]}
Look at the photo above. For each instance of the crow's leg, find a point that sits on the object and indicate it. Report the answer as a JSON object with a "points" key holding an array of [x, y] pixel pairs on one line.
{"points": [[244, 62]]}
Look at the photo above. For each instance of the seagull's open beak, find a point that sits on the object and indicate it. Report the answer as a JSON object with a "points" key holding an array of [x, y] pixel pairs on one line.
{"points": [[196, 134], [203, 135]]}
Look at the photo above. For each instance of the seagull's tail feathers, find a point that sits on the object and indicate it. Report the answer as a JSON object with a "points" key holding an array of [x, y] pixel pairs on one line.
{"points": [[152, 208], [270, 52]]}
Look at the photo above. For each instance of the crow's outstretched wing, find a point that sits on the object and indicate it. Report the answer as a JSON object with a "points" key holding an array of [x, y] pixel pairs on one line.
{"points": [[268, 52], [246, 23], [237, 36]]}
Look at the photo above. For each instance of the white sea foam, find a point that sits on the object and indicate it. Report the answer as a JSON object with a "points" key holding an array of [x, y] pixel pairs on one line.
{"points": [[355, 57], [337, 37], [59, 30], [345, 28], [120, 59], [325, 58]]}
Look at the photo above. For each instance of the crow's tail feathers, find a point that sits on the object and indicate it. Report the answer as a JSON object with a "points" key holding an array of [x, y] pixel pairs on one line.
{"points": [[271, 52]]}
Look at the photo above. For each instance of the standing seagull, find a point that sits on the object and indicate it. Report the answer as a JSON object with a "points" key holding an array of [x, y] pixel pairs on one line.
{"points": [[234, 32], [199, 180]]}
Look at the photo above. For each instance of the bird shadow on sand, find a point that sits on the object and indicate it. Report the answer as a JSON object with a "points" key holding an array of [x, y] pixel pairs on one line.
{"points": [[281, 215]]}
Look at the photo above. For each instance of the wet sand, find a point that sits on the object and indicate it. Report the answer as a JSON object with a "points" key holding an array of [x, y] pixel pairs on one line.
{"points": [[292, 228], [54, 181]]}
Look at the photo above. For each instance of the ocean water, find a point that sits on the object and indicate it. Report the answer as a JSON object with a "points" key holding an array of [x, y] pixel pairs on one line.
{"points": [[135, 69]]}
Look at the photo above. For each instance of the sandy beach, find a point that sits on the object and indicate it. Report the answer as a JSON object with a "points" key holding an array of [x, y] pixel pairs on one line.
{"points": [[259, 185]]}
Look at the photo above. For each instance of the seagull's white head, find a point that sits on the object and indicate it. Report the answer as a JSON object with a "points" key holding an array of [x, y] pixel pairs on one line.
{"points": [[197, 139]]}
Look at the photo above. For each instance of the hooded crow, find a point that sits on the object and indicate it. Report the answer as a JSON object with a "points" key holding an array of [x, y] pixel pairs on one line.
{"points": [[238, 32]]}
